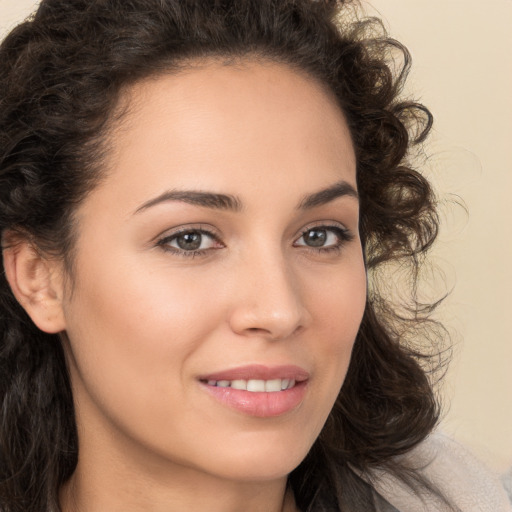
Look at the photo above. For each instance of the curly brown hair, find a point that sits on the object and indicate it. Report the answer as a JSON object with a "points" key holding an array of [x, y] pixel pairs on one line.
{"points": [[61, 75]]}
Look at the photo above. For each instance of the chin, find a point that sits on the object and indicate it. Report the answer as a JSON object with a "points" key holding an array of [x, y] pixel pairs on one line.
{"points": [[260, 461]]}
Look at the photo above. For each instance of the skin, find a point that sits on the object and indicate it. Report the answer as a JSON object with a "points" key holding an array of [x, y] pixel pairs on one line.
{"points": [[144, 320]]}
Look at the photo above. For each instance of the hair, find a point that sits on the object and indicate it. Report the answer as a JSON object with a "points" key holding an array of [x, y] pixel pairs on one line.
{"points": [[62, 73]]}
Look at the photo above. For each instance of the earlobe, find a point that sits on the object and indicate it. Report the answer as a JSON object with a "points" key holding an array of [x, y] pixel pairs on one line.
{"points": [[36, 283]]}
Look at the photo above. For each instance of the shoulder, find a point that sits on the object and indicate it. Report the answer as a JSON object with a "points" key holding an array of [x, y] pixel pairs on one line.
{"points": [[449, 468]]}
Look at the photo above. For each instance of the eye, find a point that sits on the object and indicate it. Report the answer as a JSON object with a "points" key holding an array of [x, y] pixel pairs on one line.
{"points": [[190, 242], [324, 238]]}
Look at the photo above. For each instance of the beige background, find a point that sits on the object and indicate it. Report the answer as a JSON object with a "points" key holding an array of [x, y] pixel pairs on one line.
{"points": [[463, 71]]}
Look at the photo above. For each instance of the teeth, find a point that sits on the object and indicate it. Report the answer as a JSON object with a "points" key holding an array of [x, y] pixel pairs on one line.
{"points": [[239, 384], [255, 385], [273, 385]]}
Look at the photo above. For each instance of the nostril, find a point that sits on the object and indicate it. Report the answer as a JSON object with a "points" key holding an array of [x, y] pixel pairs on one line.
{"points": [[259, 331], [273, 334]]}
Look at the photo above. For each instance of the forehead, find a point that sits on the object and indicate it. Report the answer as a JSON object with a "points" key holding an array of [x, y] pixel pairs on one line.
{"points": [[214, 125]]}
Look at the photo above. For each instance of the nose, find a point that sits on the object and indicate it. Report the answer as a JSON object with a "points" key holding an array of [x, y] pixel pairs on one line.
{"points": [[268, 300]]}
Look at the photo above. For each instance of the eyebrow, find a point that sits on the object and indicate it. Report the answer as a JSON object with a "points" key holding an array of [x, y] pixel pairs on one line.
{"points": [[233, 203], [326, 195], [205, 199]]}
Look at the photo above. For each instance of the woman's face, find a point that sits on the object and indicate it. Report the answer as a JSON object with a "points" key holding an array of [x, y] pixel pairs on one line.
{"points": [[219, 280]]}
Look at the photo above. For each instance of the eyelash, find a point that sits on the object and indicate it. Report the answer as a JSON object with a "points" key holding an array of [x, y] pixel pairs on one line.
{"points": [[344, 236], [164, 242]]}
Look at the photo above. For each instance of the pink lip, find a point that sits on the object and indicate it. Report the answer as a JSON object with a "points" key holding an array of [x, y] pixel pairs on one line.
{"points": [[259, 372], [259, 404]]}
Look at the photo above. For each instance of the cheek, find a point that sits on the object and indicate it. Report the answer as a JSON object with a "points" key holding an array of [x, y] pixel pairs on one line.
{"points": [[337, 309], [338, 305], [132, 332], [140, 308], [342, 308]]}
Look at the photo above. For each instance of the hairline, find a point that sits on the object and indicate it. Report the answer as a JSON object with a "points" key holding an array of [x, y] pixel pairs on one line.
{"points": [[125, 106]]}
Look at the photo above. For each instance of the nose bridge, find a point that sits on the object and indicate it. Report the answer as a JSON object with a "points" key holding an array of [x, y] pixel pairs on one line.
{"points": [[268, 299]]}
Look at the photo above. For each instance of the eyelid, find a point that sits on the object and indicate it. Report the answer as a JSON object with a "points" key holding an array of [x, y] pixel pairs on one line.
{"points": [[342, 232], [186, 228], [162, 241], [327, 224]]}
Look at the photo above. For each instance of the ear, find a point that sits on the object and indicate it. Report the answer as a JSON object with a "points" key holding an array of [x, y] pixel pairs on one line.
{"points": [[36, 282]]}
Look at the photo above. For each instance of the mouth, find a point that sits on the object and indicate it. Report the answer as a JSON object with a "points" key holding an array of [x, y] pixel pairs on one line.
{"points": [[258, 390], [255, 385]]}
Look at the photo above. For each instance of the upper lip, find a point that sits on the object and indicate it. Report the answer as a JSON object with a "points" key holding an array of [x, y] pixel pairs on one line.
{"points": [[259, 372]]}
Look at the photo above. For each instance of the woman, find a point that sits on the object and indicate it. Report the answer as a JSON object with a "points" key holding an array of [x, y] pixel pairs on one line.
{"points": [[192, 197]]}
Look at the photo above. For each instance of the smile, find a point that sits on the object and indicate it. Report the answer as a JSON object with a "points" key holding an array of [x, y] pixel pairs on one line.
{"points": [[258, 390], [255, 385]]}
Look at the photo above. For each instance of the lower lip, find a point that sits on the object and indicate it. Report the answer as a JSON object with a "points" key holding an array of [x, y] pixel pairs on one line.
{"points": [[260, 404]]}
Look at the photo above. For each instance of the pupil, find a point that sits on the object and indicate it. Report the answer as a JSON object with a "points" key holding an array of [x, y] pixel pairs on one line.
{"points": [[315, 237], [189, 241]]}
